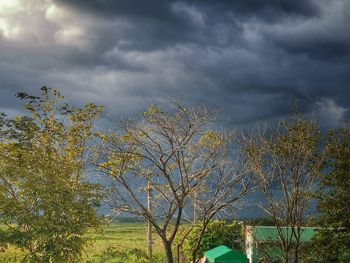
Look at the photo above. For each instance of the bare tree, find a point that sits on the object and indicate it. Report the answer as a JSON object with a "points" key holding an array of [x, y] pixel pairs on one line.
{"points": [[177, 153], [285, 161], [219, 197]]}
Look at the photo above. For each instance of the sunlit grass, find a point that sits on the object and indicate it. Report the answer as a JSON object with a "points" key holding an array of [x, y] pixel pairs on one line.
{"points": [[119, 242], [121, 237]]}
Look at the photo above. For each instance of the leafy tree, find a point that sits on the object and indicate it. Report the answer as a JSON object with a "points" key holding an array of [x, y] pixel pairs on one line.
{"points": [[45, 200], [332, 243], [217, 233]]}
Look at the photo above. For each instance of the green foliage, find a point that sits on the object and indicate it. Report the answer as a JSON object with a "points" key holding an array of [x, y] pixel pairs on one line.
{"points": [[332, 243], [329, 245], [45, 201], [217, 233], [130, 255], [108, 244], [261, 221], [125, 256], [335, 195]]}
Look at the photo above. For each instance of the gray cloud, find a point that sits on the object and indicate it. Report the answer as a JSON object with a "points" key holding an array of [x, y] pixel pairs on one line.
{"points": [[251, 58]]}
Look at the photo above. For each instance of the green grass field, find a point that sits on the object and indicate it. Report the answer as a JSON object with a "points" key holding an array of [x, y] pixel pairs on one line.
{"points": [[122, 242], [119, 242]]}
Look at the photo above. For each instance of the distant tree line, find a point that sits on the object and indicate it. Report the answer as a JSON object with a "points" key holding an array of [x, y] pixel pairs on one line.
{"points": [[169, 165]]}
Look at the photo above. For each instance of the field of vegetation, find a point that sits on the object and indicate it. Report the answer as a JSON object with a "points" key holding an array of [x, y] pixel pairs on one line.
{"points": [[119, 242]]}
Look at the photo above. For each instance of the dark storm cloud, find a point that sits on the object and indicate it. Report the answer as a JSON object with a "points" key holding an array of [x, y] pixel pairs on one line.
{"points": [[153, 24], [307, 7], [325, 37], [156, 9], [162, 23], [252, 58], [161, 9]]}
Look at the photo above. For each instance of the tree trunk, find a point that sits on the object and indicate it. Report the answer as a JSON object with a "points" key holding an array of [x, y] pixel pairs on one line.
{"points": [[286, 259], [168, 251], [195, 250], [180, 256], [296, 256], [194, 257], [149, 227]]}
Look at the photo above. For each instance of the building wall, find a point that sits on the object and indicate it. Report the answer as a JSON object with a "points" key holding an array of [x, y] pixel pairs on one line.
{"points": [[262, 241], [249, 243]]}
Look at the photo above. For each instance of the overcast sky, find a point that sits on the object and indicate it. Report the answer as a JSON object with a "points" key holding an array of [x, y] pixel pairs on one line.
{"points": [[252, 58]]}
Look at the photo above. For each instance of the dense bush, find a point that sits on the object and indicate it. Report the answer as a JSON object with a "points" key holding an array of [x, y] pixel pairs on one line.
{"points": [[218, 233]]}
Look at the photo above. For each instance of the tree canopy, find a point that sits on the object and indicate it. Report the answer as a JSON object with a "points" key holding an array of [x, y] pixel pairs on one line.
{"points": [[332, 242], [46, 201], [176, 151]]}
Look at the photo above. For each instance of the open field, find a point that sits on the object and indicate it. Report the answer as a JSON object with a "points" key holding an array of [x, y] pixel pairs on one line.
{"points": [[119, 242]]}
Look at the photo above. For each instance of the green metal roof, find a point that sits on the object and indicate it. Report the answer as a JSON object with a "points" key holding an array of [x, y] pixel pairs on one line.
{"points": [[270, 233], [223, 254]]}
